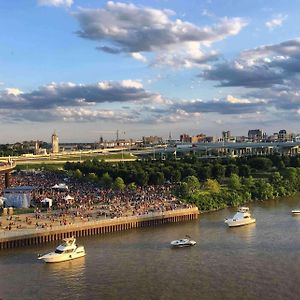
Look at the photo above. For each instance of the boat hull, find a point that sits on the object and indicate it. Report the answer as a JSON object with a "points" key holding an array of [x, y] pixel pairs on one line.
{"points": [[238, 223], [296, 212], [177, 244], [48, 258]]}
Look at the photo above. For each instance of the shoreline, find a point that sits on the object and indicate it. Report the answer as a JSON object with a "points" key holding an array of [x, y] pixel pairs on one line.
{"points": [[26, 237]]}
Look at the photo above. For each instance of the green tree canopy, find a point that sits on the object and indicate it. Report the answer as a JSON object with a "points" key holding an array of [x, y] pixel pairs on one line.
{"points": [[119, 184], [193, 183], [212, 186], [106, 180], [234, 182], [77, 173]]}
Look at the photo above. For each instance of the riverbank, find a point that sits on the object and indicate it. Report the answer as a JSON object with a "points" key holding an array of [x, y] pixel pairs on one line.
{"points": [[20, 237]]}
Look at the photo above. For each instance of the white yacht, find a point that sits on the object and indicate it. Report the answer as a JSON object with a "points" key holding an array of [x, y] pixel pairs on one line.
{"points": [[242, 217], [186, 242], [66, 251]]}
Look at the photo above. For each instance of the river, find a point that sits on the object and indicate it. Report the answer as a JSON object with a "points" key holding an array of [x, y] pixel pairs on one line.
{"points": [[258, 261]]}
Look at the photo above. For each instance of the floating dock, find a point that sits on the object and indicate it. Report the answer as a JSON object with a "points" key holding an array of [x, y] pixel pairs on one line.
{"points": [[22, 238]]}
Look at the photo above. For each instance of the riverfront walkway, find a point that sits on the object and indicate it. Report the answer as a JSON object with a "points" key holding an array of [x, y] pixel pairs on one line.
{"points": [[26, 237]]}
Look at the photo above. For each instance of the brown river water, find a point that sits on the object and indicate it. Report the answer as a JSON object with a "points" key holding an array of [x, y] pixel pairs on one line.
{"points": [[258, 261]]}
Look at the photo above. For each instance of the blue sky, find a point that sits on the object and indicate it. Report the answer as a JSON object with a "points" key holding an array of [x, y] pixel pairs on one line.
{"points": [[88, 68]]}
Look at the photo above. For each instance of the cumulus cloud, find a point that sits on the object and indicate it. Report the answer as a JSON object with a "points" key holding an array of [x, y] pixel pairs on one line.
{"points": [[70, 94], [280, 99], [262, 67], [65, 3], [133, 30], [276, 22], [70, 101], [13, 91], [229, 105], [238, 73]]}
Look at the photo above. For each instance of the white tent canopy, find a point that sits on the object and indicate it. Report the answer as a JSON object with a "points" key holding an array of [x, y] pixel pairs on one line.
{"points": [[47, 200], [61, 186], [68, 197]]}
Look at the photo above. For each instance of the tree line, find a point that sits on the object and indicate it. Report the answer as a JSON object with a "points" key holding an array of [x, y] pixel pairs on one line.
{"points": [[208, 183]]}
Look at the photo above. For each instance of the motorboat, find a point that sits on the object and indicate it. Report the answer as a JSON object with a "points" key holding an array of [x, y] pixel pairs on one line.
{"points": [[67, 250], [186, 242], [296, 211], [241, 218]]}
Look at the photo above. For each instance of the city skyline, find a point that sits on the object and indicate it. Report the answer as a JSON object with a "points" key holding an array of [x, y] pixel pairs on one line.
{"points": [[89, 68]]}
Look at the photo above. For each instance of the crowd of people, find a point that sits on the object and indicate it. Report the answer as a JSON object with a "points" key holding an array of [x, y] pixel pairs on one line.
{"points": [[79, 200]]}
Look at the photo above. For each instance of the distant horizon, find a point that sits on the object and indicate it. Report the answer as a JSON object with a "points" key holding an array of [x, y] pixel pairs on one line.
{"points": [[147, 67], [174, 137]]}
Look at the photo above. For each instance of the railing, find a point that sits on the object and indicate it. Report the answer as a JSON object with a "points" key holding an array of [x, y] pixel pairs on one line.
{"points": [[7, 166]]}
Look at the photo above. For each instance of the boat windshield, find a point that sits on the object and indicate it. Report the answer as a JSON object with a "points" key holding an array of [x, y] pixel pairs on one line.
{"points": [[59, 251]]}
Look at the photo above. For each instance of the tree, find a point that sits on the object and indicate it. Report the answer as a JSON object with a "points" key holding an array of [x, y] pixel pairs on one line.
{"points": [[244, 171], [263, 190], [142, 178], [204, 172], [106, 180], [176, 176], [189, 171], [231, 169], [261, 163], [183, 190], [218, 171], [212, 186], [132, 186], [92, 177], [234, 182], [119, 184], [77, 173], [156, 178], [193, 184], [248, 183]]}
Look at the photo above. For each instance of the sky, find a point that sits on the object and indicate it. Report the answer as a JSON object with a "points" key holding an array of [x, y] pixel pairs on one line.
{"points": [[87, 68]]}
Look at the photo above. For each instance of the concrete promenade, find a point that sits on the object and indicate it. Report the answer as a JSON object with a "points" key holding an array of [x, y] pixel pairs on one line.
{"points": [[26, 237]]}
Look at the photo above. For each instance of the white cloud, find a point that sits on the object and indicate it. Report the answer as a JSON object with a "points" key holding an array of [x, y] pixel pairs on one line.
{"points": [[276, 21], [136, 30], [65, 3], [138, 56], [13, 91], [232, 99]]}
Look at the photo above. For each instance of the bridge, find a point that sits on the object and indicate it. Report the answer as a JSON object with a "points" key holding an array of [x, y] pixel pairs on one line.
{"points": [[228, 149], [6, 168]]}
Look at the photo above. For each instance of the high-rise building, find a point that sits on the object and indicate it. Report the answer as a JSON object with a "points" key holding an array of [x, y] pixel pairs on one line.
{"points": [[185, 138], [226, 135], [55, 144], [256, 135], [36, 148]]}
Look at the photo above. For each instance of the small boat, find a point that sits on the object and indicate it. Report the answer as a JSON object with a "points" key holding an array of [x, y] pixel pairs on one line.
{"points": [[186, 242], [296, 211], [241, 218], [67, 250]]}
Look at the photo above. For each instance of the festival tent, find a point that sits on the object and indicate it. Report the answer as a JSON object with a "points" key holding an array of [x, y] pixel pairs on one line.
{"points": [[47, 201], [18, 197], [61, 186], [69, 199]]}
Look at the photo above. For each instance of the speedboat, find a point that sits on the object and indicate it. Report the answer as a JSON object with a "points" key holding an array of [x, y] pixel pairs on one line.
{"points": [[67, 250], [296, 211], [186, 242], [242, 217]]}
